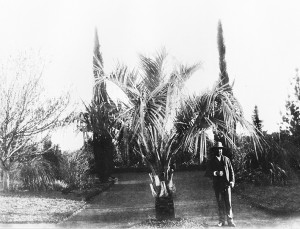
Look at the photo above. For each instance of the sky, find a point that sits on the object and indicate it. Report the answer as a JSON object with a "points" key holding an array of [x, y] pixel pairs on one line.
{"points": [[262, 40]]}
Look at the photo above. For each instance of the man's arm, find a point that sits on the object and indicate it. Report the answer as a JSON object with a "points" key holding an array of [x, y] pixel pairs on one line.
{"points": [[231, 174]]}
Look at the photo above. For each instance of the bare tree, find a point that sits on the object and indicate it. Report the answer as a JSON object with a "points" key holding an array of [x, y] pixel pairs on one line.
{"points": [[27, 116]]}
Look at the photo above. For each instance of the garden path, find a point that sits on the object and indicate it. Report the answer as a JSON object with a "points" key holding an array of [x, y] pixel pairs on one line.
{"points": [[129, 202]]}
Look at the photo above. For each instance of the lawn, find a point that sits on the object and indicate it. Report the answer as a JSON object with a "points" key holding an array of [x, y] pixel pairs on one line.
{"points": [[36, 208], [282, 200], [44, 207]]}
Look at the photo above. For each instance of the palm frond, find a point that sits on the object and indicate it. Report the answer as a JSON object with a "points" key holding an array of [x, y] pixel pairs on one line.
{"points": [[183, 73], [153, 72], [216, 110]]}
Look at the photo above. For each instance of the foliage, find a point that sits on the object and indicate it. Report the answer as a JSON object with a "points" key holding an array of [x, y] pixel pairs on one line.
{"points": [[153, 98], [125, 155], [270, 166], [291, 119], [75, 168], [224, 83], [216, 111], [223, 75], [256, 121], [99, 119], [152, 95], [38, 169], [27, 116], [35, 174], [53, 155]]}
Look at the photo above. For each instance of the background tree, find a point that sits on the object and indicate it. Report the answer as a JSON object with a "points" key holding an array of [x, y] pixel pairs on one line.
{"points": [[291, 119], [99, 119], [224, 83], [223, 75], [256, 121], [27, 116], [53, 155]]}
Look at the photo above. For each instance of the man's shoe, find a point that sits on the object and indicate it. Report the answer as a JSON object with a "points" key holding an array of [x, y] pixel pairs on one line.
{"points": [[221, 224], [232, 224]]}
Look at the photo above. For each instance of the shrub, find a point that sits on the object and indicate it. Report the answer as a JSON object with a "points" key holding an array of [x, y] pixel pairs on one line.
{"points": [[35, 174], [75, 169], [269, 166]]}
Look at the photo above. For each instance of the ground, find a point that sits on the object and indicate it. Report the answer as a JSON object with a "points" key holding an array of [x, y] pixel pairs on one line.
{"points": [[129, 203], [35, 209], [43, 207], [277, 200]]}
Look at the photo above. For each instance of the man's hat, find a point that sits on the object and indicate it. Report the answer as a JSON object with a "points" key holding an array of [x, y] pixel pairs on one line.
{"points": [[219, 145]]}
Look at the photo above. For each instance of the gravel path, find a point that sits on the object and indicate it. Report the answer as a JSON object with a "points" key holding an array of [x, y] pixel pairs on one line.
{"points": [[129, 204]]}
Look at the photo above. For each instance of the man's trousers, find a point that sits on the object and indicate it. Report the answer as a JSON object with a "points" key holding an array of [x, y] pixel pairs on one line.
{"points": [[223, 196]]}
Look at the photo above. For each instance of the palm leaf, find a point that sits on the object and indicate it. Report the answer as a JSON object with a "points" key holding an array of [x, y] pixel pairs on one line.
{"points": [[216, 109]]}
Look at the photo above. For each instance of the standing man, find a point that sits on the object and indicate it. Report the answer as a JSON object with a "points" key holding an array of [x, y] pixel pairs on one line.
{"points": [[223, 181]]}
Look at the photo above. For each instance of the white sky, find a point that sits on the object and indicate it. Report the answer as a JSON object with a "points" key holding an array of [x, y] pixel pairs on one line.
{"points": [[262, 40]]}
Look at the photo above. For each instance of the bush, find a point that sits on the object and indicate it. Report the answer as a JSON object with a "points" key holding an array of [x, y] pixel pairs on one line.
{"points": [[75, 169], [34, 173], [270, 166]]}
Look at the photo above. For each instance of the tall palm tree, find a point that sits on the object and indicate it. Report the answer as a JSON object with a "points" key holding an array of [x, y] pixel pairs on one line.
{"points": [[153, 97], [152, 94], [99, 119]]}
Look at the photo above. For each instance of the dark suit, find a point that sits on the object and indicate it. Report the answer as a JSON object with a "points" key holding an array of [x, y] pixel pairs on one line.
{"points": [[221, 185]]}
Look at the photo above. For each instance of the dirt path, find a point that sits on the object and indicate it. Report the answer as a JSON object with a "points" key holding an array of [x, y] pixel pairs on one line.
{"points": [[129, 202]]}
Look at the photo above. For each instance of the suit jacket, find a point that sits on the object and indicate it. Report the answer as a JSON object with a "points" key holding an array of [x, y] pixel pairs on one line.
{"points": [[227, 169]]}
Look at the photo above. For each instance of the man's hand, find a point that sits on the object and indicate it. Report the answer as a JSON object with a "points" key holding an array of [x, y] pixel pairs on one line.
{"points": [[218, 173], [231, 184]]}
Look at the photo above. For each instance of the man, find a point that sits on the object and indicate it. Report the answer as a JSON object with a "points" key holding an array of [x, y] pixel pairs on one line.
{"points": [[223, 180]]}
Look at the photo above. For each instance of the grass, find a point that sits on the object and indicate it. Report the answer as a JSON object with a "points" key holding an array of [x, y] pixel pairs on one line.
{"points": [[175, 223], [36, 207], [43, 207], [281, 200]]}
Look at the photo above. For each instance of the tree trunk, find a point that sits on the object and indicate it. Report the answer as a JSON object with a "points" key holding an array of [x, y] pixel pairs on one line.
{"points": [[6, 180], [164, 208], [103, 149]]}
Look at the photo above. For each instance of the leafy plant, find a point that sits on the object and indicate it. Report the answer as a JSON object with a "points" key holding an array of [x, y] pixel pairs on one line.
{"points": [[35, 174], [214, 112], [269, 167], [75, 169]]}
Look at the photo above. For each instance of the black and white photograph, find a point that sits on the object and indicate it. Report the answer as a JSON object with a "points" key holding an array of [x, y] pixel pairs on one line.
{"points": [[149, 114]]}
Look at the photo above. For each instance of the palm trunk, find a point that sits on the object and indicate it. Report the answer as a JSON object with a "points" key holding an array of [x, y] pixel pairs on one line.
{"points": [[163, 193], [164, 208]]}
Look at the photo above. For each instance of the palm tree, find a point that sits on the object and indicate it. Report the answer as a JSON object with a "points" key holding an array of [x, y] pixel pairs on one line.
{"points": [[153, 97], [99, 119], [152, 93]]}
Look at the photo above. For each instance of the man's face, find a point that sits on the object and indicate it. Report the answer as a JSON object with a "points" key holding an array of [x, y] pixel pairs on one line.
{"points": [[219, 152]]}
